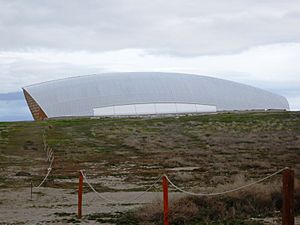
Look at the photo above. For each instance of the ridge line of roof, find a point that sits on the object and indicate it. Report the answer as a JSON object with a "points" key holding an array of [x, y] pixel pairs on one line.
{"points": [[153, 72], [115, 73]]}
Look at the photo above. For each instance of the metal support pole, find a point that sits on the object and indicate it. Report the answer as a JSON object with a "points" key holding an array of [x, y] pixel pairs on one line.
{"points": [[288, 197], [31, 190], [165, 194], [80, 187]]}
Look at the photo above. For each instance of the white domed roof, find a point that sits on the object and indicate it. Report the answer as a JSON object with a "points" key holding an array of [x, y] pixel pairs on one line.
{"points": [[81, 96]]}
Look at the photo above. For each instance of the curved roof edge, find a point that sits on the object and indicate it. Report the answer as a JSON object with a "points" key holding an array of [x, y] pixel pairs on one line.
{"points": [[170, 87]]}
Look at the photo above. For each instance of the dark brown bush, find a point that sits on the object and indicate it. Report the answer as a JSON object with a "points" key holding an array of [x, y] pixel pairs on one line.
{"points": [[263, 200]]}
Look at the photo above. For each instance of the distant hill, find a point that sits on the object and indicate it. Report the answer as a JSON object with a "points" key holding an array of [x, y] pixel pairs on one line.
{"points": [[12, 96], [13, 107]]}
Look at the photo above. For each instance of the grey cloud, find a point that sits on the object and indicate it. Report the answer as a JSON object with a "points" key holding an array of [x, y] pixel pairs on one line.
{"points": [[168, 27], [46, 40], [26, 72]]}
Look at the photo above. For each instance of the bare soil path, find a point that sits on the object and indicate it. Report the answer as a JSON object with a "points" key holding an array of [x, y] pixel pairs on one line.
{"points": [[59, 206]]}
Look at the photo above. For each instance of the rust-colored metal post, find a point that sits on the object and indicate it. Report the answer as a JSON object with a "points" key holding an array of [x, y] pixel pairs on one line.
{"points": [[166, 204], [288, 197], [80, 187], [31, 190]]}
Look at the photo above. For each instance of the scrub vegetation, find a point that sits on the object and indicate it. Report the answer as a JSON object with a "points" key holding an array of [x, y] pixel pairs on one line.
{"points": [[198, 152]]}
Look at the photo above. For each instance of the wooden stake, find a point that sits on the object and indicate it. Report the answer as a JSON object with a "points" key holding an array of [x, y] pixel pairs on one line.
{"points": [[288, 197], [165, 193], [80, 187]]}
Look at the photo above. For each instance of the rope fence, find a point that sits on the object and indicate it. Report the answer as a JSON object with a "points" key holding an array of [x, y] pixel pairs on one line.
{"points": [[288, 189], [178, 188], [49, 158], [123, 201], [288, 185], [224, 192]]}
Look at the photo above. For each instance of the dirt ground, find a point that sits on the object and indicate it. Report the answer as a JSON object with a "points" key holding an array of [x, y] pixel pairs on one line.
{"points": [[122, 156], [59, 206]]}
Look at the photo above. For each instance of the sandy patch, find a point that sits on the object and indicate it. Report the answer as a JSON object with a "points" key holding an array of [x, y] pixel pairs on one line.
{"points": [[60, 206]]}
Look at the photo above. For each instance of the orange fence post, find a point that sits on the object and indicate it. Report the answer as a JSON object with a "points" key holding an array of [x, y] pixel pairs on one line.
{"points": [[31, 190], [80, 185], [165, 193], [288, 197]]}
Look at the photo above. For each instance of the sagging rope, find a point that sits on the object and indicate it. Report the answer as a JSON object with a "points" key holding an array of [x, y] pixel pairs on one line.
{"points": [[50, 159], [45, 178], [177, 188], [224, 192], [115, 201]]}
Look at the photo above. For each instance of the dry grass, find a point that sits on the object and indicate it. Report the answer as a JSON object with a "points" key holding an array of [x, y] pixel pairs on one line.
{"points": [[220, 146], [262, 200]]}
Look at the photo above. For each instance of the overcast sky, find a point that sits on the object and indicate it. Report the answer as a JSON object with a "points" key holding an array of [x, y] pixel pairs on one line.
{"points": [[254, 42]]}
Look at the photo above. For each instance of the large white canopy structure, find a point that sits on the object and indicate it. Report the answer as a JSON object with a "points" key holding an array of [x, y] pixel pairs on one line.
{"points": [[144, 93]]}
